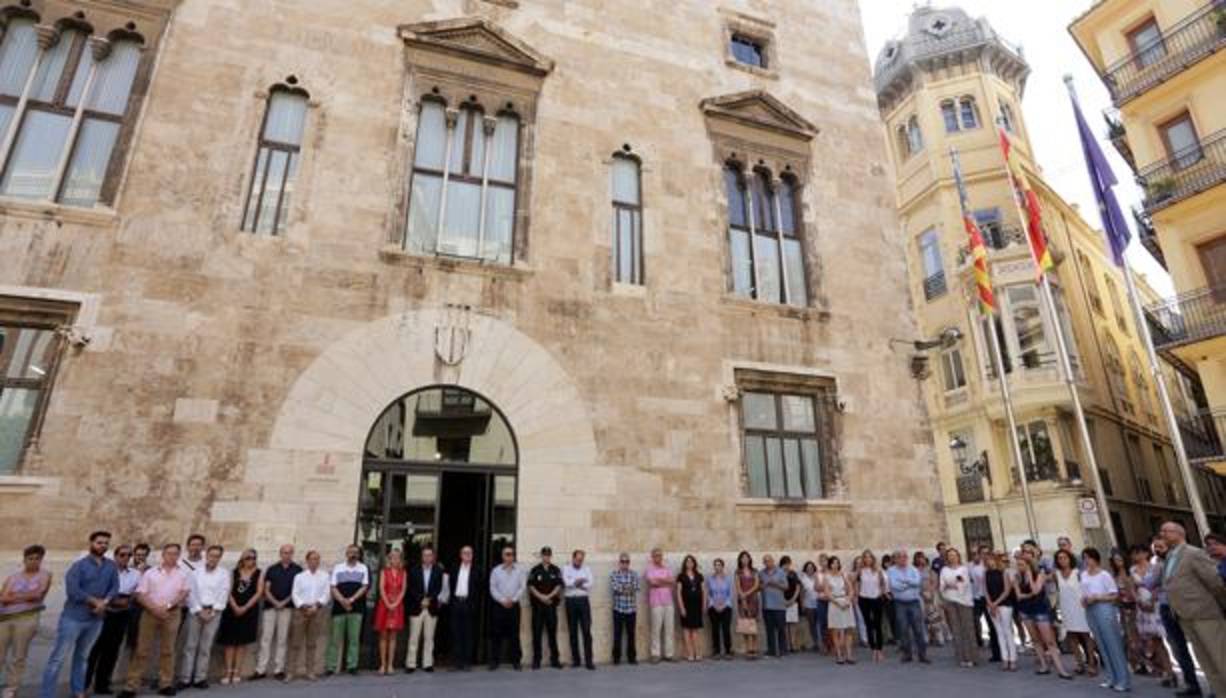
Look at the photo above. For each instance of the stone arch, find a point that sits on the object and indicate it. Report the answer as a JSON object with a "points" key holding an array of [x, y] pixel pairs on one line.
{"points": [[308, 474]]}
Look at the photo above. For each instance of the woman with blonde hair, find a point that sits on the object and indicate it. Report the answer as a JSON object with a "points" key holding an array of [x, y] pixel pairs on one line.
{"points": [[960, 603], [389, 613], [240, 622], [871, 589], [1036, 612]]}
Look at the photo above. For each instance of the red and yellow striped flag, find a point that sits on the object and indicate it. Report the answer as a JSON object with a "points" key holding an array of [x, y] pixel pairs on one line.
{"points": [[979, 253], [1028, 201]]}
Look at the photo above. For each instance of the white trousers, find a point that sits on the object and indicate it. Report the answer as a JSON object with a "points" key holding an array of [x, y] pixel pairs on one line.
{"points": [[662, 626], [421, 629], [274, 639], [1003, 620]]}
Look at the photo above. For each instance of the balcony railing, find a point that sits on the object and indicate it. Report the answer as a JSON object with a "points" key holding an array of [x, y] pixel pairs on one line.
{"points": [[1193, 38], [1201, 434], [1191, 317], [1119, 137], [1187, 172], [995, 237], [1148, 236]]}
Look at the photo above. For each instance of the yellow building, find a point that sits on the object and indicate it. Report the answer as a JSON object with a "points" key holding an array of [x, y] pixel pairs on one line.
{"points": [[1163, 64], [942, 86]]}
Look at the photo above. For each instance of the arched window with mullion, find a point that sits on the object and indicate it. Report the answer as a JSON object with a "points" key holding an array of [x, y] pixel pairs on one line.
{"points": [[276, 162], [969, 112], [462, 194], [949, 115], [627, 220], [63, 101]]}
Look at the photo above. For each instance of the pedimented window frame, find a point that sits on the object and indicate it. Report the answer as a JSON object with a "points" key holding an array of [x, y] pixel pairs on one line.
{"points": [[470, 61], [755, 131]]}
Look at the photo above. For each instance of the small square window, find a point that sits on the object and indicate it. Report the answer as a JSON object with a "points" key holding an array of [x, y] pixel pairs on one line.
{"points": [[748, 50]]}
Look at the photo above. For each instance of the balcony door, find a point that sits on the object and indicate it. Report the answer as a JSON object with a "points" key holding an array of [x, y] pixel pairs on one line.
{"points": [[1181, 140], [1213, 261]]}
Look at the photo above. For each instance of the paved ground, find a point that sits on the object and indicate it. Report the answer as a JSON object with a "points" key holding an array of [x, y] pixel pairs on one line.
{"points": [[801, 675]]}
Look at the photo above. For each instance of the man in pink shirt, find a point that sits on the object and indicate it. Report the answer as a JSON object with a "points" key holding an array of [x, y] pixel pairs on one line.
{"points": [[161, 593], [660, 589]]}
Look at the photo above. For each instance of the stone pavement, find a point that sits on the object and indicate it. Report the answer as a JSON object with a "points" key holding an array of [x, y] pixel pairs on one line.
{"points": [[804, 674]]}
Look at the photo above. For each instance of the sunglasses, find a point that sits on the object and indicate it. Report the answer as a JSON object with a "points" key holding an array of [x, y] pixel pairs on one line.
{"points": [[624, 562]]}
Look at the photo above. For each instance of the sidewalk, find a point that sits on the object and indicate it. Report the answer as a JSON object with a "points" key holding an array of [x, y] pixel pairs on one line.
{"points": [[796, 675]]}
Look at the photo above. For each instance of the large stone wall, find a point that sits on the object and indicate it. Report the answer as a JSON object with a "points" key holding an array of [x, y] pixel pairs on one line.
{"points": [[232, 379]]}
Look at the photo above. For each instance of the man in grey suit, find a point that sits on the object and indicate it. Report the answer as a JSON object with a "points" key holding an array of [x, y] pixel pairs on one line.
{"points": [[1197, 595]]}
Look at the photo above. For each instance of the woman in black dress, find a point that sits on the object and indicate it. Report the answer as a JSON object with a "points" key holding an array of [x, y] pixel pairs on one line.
{"points": [[691, 599], [240, 623]]}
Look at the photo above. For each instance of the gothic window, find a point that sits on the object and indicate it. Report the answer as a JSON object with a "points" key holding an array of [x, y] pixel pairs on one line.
{"points": [[276, 161], [65, 98], [781, 436], [627, 220], [465, 173], [30, 351], [764, 237]]}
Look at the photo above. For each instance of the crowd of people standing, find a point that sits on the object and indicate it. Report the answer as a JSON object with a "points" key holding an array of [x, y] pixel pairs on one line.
{"points": [[1116, 616]]}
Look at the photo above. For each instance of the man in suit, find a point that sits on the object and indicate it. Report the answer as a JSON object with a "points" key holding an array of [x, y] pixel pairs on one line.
{"points": [[422, 602], [1197, 595], [466, 590]]}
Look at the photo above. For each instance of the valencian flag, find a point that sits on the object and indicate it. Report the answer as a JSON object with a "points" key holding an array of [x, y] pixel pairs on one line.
{"points": [[979, 253], [1102, 179], [1029, 203]]}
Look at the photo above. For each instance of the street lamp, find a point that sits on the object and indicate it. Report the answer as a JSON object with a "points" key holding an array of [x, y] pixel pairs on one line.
{"points": [[958, 448]]}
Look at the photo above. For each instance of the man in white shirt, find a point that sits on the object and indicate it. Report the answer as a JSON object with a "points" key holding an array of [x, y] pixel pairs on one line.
{"points": [[507, 584], [193, 553], [311, 594], [210, 591], [464, 600], [576, 587]]}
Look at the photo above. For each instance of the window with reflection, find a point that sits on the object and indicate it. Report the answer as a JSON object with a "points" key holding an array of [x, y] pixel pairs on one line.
{"points": [[1029, 334], [949, 116], [30, 352], [915, 138], [969, 112], [1007, 119], [62, 109], [276, 162], [781, 437], [627, 220], [465, 172], [446, 424], [767, 255], [1038, 458]]}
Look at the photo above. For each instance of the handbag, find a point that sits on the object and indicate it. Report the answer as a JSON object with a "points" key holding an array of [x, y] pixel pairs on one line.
{"points": [[792, 614], [746, 626]]}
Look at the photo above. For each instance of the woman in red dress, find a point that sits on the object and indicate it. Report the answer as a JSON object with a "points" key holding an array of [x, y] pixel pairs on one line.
{"points": [[389, 613]]}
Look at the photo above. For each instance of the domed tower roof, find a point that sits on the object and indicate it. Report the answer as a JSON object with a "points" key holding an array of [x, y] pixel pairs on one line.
{"points": [[940, 37]]}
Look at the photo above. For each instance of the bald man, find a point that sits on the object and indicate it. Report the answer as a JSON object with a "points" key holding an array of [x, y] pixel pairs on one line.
{"points": [[278, 613], [1197, 595]]}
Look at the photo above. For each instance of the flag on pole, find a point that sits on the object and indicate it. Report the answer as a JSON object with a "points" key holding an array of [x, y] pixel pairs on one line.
{"points": [[1028, 201], [1102, 179], [979, 253]]}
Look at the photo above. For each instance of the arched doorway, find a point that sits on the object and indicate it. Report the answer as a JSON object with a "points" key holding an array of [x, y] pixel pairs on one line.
{"points": [[439, 468]]}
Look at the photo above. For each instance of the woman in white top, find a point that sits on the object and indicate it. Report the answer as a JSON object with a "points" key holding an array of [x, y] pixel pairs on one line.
{"points": [[960, 606], [841, 619], [1099, 594], [1073, 613], [870, 592], [808, 603]]}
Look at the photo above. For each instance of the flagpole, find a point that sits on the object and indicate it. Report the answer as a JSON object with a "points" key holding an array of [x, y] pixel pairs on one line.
{"points": [[1006, 397], [1172, 424], [1066, 368]]}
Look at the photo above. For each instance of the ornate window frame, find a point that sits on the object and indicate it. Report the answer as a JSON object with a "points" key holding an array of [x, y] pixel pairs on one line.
{"points": [[755, 131], [143, 21], [469, 61]]}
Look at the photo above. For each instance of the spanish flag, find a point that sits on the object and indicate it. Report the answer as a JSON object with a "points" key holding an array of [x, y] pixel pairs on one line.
{"points": [[979, 253], [1028, 201]]}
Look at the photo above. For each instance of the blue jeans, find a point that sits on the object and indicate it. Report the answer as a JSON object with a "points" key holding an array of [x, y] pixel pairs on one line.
{"points": [[76, 636], [1105, 625], [909, 618], [820, 616]]}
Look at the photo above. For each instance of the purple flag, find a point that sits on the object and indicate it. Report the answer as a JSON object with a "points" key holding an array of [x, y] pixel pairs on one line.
{"points": [[1102, 179]]}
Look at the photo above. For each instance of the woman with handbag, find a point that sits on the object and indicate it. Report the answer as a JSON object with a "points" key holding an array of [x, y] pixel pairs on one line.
{"points": [[748, 603]]}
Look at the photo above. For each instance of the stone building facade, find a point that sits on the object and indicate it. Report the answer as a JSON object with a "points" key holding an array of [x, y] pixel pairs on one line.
{"points": [[206, 316]]}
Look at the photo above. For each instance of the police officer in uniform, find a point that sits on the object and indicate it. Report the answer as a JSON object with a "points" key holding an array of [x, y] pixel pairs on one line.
{"points": [[545, 590]]}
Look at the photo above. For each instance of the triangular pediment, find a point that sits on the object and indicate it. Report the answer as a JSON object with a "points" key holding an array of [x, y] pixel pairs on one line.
{"points": [[759, 109], [476, 39]]}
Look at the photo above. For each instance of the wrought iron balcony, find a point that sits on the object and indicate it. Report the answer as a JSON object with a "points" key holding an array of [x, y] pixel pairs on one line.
{"points": [[1148, 236], [1182, 45], [1185, 173], [1190, 317], [995, 238], [1201, 434]]}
